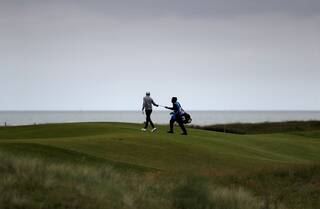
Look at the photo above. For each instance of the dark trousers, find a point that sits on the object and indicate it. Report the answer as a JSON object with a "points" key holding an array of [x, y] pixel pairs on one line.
{"points": [[179, 121], [148, 119]]}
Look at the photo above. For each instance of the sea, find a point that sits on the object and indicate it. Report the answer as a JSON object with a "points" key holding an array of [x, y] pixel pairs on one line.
{"points": [[12, 118]]}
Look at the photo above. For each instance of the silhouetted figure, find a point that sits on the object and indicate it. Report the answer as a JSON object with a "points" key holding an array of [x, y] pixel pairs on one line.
{"points": [[176, 115], [147, 107]]}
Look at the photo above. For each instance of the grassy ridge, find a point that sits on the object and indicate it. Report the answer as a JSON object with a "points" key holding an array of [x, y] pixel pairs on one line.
{"points": [[265, 170], [124, 143], [264, 128]]}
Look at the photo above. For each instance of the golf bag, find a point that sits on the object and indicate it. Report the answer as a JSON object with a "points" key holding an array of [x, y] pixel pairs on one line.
{"points": [[186, 118]]}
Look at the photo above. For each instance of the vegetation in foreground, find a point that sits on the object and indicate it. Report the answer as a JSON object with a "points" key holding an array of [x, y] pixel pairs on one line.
{"points": [[113, 165], [30, 183]]}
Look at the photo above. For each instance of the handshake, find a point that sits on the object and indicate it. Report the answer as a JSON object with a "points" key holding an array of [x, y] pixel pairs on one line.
{"points": [[163, 106], [157, 106]]}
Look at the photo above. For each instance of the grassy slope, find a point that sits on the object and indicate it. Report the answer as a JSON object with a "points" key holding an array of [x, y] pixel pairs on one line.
{"points": [[124, 145], [277, 165]]}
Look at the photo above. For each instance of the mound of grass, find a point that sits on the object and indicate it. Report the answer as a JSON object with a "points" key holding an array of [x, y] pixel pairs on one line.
{"points": [[57, 130], [264, 128]]}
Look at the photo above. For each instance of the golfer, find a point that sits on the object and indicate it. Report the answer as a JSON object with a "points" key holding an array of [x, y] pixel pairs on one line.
{"points": [[147, 108], [176, 116]]}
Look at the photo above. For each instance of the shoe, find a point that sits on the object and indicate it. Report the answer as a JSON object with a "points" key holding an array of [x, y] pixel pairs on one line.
{"points": [[170, 132], [143, 129], [153, 130], [184, 134]]}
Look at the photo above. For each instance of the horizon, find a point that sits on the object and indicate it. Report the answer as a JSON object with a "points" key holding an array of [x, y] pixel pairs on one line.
{"points": [[156, 110]]}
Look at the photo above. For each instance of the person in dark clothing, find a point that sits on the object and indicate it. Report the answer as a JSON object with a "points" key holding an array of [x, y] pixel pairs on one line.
{"points": [[176, 115], [147, 107]]}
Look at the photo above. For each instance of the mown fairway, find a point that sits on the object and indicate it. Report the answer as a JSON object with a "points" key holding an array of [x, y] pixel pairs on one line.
{"points": [[249, 161]]}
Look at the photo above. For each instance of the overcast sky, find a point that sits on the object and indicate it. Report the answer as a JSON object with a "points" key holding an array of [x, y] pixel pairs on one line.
{"points": [[211, 54]]}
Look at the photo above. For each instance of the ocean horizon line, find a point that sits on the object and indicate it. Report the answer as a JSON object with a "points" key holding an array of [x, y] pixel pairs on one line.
{"points": [[163, 110]]}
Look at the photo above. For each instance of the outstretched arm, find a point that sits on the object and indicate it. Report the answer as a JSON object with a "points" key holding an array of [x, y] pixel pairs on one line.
{"points": [[174, 108], [154, 103], [170, 108]]}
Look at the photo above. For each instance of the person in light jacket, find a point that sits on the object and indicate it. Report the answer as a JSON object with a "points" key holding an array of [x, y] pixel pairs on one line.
{"points": [[147, 109]]}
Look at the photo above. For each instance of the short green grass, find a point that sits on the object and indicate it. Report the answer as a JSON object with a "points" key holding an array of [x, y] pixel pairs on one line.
{"points": [[279, 170]]}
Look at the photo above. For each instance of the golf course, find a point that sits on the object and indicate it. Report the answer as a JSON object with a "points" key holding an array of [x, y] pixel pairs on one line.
{"points": [[115, 165]]}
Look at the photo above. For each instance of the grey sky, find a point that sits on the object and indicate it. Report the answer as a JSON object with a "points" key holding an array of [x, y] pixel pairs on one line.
{"points": [[231, 54]]}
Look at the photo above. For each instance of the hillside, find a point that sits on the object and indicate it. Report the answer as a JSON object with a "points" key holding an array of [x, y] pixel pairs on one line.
{"points": [[220, 158]]}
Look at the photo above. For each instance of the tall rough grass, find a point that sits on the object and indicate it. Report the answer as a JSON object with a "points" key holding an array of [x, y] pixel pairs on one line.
{"points": [[31, 183], [264, 128]]}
